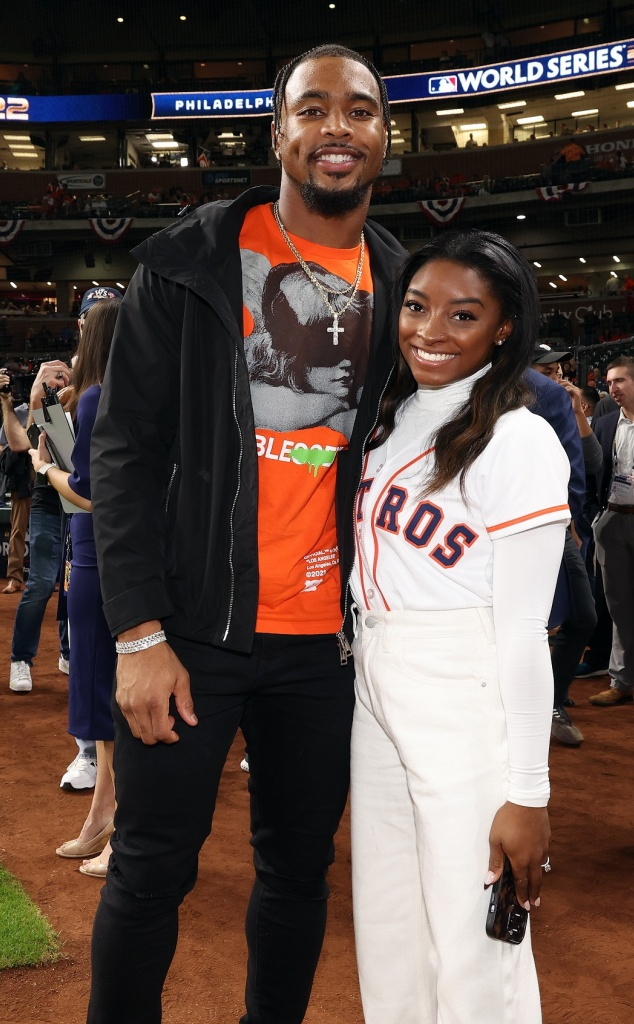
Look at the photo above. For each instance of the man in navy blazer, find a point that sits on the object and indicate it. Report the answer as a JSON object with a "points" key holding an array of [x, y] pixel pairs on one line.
{"points": [[611, 499]]}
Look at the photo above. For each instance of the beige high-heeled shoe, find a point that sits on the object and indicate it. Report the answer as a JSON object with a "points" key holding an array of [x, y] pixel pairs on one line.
{"points": [[96, 869], [75, 848]]}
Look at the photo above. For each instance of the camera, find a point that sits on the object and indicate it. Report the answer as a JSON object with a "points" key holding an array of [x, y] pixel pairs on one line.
{"points": [[7, 387]]}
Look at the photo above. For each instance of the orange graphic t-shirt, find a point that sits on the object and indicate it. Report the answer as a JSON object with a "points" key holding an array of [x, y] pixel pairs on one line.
{"points": [[305, 390]]}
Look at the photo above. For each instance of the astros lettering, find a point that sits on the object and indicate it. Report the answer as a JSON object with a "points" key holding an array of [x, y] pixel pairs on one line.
{"points": [[421, 526]]}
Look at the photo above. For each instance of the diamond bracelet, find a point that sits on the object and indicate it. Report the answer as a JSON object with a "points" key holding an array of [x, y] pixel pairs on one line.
{"points": [[131, 646]]}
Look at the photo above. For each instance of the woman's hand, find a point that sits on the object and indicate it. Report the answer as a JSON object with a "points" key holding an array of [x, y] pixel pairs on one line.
{"points": [[575, 396], [40, 455], [523, 834]]}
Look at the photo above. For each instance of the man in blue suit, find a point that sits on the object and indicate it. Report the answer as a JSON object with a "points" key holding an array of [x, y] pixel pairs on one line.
{"points": [[611, 496]]}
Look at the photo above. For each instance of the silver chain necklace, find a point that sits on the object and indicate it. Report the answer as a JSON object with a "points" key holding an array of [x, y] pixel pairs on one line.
{"points": [[336, 315]]}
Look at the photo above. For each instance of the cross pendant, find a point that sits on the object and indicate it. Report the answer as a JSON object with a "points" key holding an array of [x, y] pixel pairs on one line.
{"points": [[335, 330]]}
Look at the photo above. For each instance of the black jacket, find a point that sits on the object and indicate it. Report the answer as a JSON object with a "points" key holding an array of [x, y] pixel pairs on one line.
{"points": [[598, 487], [174, 473]]}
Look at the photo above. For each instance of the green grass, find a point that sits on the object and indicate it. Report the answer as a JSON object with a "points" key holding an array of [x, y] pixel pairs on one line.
{"points": [[26, 937]]}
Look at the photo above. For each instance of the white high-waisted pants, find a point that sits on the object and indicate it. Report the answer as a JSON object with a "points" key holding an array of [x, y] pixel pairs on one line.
{"points": [[429, 772]]}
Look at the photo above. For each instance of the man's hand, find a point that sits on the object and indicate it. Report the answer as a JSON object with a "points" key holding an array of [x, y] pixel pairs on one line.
{"points": [[55, 374], [145, 682], [523, 834], [5, 381], [17, 437]]}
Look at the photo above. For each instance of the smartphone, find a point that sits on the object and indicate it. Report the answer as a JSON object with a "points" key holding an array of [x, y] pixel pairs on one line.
{"points": [[506, 918], [33, 434]]}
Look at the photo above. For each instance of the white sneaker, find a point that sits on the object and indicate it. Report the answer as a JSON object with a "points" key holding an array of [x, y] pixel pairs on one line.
{"points": [[63, 665], [80, 774], [20, 681]]}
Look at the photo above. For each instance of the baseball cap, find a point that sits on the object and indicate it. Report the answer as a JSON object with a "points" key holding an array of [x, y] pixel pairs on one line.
{"points": [[95, 294], [545, 354]]}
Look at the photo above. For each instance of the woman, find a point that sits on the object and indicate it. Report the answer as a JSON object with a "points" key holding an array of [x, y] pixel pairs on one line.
{"points": [[461, 515], [92, 656]]}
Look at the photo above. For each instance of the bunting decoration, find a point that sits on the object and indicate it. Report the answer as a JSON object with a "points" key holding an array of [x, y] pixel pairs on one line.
{"points": [[110, 229], [10, 229], [441, 211], [556, 192]]}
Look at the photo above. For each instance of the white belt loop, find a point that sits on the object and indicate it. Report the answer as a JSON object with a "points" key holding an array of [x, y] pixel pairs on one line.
{"points": [[388, 633]]}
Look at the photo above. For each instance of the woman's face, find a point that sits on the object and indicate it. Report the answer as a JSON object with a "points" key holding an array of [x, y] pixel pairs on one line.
{"points": [[449, 322]]}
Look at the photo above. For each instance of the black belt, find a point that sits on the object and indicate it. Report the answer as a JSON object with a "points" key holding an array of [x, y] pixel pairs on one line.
{"points": [[625, 510]]}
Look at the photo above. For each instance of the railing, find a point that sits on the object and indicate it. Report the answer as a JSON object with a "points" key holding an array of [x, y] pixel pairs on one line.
{"points": [[587, 356]]}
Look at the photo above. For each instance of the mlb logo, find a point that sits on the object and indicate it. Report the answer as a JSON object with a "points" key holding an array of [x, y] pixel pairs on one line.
{"points": [[443, 83]]}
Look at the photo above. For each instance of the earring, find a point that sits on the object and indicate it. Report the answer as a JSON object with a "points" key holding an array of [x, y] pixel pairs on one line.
{"points": [[500, 342]]}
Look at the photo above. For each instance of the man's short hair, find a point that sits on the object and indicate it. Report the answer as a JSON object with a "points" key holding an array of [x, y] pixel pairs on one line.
{"points": [[627, 362], [591, 396]]}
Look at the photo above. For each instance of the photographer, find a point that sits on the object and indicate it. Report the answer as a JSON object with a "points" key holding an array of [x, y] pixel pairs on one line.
{"points": [[16, 479], [44, 534]]}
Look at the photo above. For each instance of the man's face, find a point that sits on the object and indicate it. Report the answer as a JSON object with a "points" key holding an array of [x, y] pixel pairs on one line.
{"points": [[551, 370], [621, 387], [332, 138]]}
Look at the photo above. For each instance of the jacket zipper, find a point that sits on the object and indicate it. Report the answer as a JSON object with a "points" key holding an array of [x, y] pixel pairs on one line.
{"points": [[235, 498], [345, 650], [169, 487]]}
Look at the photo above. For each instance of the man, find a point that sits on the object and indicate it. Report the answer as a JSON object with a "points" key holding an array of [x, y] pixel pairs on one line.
{"points": [[18, 481], [612, 493], [214, 517], [546, 361], [589, 398]]}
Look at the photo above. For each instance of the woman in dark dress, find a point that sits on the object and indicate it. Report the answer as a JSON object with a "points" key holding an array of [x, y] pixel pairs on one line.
{"points": [[92, 656]]}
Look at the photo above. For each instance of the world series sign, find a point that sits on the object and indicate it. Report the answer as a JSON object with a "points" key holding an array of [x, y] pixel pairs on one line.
{"points": [[551, 68]]}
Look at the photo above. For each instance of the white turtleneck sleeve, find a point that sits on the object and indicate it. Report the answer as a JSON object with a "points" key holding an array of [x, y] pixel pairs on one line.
{"points": [[525, 567]]}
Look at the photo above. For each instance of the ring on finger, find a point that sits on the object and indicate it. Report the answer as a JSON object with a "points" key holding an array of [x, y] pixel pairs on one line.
{"points": [[546, 866]]}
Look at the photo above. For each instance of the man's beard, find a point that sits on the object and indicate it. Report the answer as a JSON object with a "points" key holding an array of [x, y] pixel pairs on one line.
{"points": [[333, 203]]}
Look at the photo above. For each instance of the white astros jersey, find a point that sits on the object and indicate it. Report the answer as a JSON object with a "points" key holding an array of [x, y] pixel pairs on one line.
{"points": [[436, 553]]}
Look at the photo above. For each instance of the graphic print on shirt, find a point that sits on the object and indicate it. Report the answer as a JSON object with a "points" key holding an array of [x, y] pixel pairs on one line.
{"points": [[305, 390], [299, 377]]}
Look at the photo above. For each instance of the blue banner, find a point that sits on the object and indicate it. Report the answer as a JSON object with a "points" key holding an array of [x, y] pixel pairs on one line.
{"points": [[554, 67], [492, 78], [44, 109], [252, 102]]}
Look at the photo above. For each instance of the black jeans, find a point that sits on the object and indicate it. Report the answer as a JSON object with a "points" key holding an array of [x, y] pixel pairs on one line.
{"points": [[570, 641], [293, 701]]}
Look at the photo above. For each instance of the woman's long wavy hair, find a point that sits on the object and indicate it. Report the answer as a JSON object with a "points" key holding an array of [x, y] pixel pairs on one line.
{"points": [[510, 279], [93, 349]]}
